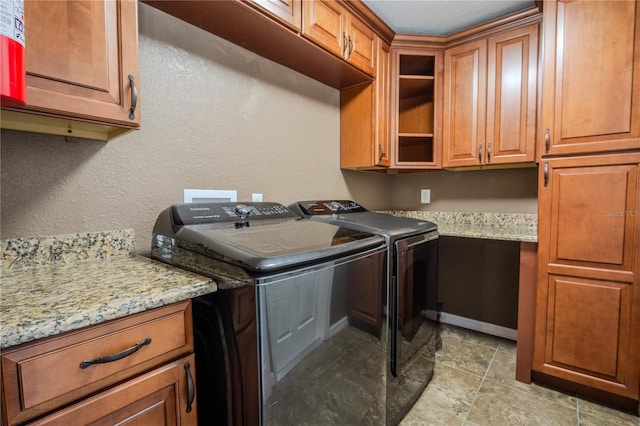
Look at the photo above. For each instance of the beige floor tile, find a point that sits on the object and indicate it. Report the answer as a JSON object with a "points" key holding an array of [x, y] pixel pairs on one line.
{"points": [[431, 415], [451, 390], [469, 336], [497, 404], [465, 355], [503, 371], [507, 345], [592, 413]]}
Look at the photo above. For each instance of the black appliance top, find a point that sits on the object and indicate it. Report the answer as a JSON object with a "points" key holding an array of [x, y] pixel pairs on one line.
{"points": [[352, 215], [259, 237]]}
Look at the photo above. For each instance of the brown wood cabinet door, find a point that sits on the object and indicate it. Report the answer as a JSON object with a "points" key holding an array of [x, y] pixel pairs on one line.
{"points": [[361, 45], [465, 76], [588, 296], [159, 397], [323, 22], [591, 77], [511, 96], [79, 56], [287, 11]]}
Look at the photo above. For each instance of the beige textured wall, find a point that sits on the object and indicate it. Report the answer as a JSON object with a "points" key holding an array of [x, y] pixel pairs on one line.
{"points": [[213, 116], [484, 191]]}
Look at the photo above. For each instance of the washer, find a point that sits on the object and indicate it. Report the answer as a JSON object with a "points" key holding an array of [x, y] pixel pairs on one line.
{"points": [[413, 307], [296, 332]]}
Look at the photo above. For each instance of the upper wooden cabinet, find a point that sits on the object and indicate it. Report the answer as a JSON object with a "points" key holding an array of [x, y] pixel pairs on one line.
{"points": [[287, 11], [415, 108], [330, 25], [82, 64], [490, 100], [265, 27], [587, 327], [591, 77], [364, 119]]}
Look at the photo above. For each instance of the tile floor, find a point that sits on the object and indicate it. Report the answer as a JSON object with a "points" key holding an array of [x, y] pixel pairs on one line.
{"points": [[474, 384]]}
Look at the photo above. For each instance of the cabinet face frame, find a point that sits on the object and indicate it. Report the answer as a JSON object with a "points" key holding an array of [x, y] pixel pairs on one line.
{"points": [[575, 68], [436, 126], [604, 286]]}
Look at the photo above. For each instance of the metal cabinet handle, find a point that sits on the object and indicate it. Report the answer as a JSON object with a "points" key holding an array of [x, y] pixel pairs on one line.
{"points": [[547, 140], [546, 174], [489, 153], [381, 154], [134, 97], [117, 356], [351, 47], [480, 154], [190, 386], [345, 45]]}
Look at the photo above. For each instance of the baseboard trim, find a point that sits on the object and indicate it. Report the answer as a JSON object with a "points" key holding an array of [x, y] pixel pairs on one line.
{"points": [[483, 327]]}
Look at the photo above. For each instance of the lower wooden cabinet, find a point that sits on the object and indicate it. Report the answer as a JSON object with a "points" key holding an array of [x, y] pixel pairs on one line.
{"points": [[164, 396], [587, 327], [139, 368]]}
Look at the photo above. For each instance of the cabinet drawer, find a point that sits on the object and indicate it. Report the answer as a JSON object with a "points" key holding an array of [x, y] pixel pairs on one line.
{"points": [[164, 396], [40, 376]]}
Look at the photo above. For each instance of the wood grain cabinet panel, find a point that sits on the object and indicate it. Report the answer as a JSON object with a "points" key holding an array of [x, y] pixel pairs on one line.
{"points": [[490, 100], [331, 26], [591, 77], [49, 373], [365, 135], [288, 12], [79, 56], [158, 398], [587, 328], [465, 75]]}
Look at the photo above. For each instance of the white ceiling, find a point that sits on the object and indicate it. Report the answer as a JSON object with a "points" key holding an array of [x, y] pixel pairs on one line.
{"points": [[441, 17]]}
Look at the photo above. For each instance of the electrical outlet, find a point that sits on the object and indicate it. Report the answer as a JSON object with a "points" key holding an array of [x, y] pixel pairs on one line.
{"points": [[425, 196], [256, 197]]}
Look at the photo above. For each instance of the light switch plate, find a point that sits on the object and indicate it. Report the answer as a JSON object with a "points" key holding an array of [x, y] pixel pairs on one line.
{"points": [[256, 197]]}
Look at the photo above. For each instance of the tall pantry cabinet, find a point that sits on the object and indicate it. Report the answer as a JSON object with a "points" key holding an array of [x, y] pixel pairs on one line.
{"points": [[587, 330]]}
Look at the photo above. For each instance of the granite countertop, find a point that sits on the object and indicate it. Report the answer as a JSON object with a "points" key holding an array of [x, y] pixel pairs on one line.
{"points": [[493, 226], [58, 284]]}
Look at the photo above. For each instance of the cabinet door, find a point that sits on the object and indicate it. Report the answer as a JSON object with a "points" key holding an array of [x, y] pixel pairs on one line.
{"points": [[591, 77], [588, 297], [323, 22], [465, 76], [287, 11], [164, 396], [79, 56], [361, 45], [511, 96]]}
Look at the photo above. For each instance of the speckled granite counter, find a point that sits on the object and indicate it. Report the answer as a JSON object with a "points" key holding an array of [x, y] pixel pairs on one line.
{"points": [[493, 226], [57, 284]]}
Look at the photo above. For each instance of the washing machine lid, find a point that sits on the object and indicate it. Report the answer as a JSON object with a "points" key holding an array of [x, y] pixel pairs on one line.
{"points": [[350, 214], [259, 237]]}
